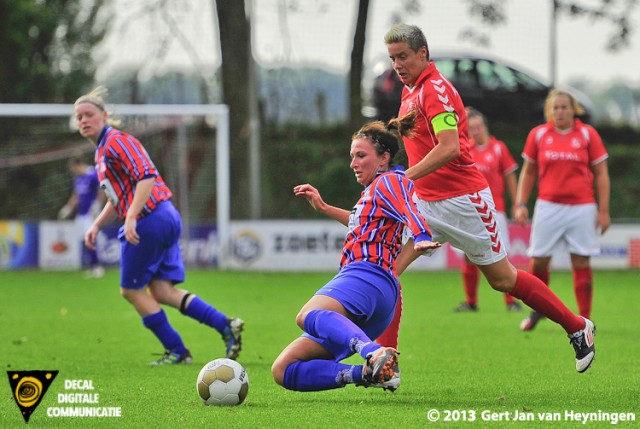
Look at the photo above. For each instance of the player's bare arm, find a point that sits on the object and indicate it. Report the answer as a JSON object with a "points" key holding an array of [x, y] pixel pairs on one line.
{"points": [[447, 149], [140, 197], [603, 191], [317, 203]]}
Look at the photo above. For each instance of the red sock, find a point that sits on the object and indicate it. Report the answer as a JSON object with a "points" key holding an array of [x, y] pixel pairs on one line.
{"points": [[583, 288], [389, 338], [540, 298], [508, 299], [541, 274], [470, 279]]}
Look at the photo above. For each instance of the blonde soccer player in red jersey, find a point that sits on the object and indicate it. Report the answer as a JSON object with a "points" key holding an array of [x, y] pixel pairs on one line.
{"points": [[453, 195], [493, 159], [567, 157]]}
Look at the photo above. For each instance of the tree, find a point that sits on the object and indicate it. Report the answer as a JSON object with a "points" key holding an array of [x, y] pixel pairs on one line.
{"points": [[235, 48], [355, 70], [616, 12], [45, 48]]}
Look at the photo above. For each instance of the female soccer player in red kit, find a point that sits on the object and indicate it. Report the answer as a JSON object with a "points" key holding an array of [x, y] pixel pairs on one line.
{"points": [[453, 195], [567, 157]]}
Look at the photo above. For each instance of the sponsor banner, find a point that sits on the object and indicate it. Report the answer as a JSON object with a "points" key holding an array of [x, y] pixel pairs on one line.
{"points": [[286, 245], [289, 245], [18, 245], [59, 245], [617, 249], [202, 246], [282, 245], [199, 250]]}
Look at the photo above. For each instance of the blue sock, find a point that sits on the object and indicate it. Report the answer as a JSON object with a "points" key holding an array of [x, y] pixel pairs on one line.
{"points": [[325, 324], [205, 313], [160, 326], [89, 257], [319, 374]]}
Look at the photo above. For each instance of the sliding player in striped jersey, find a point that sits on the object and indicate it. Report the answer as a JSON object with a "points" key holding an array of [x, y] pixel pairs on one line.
{"points": [[343, 317], [150, 256]]}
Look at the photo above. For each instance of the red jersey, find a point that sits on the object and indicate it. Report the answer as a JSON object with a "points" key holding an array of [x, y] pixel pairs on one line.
{"points": [[121, 162], [494, 161], [432, 95], [377, 220], [564, 161]]}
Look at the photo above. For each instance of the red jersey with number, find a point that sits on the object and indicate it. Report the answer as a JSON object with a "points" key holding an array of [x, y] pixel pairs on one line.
{"points": [[564, 160], [432, 95], [494, 161], [121, 162]]}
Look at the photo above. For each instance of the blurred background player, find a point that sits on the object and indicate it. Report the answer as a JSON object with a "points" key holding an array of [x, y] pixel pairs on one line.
{"points": [[567, 157], [493, 159], [151, 261], [357, 305], [83, 203]]}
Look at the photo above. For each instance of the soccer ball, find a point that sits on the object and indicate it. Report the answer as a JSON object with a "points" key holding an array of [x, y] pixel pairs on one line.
{"points": [[222, 382]]}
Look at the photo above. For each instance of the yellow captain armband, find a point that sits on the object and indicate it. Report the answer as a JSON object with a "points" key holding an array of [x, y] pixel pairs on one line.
{"points": [[444, 121]]}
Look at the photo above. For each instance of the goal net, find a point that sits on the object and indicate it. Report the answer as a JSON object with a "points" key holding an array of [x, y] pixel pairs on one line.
{"points": [[188, 143]]}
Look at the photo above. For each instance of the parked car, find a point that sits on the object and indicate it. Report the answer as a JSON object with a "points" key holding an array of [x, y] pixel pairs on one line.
{"points": [[501, 91]]}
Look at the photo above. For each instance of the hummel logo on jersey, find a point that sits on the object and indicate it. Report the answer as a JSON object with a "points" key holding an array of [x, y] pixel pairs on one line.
{"points": [[444, 99]]}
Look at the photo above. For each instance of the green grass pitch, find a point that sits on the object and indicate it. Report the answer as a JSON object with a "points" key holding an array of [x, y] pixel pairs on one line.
{"points": [[461, 365]]}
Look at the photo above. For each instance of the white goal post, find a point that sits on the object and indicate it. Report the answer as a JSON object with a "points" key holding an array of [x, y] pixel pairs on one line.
{"points": [[219, 111]]}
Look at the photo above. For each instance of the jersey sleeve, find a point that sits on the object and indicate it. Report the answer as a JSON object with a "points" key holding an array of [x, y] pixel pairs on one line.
{"points": [[597, 151], [507, 163], [530, 151], [396, 192]]}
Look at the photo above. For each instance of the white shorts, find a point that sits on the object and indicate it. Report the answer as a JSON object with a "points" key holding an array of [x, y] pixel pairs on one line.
{"points": [[570, 225], [469, 223]]}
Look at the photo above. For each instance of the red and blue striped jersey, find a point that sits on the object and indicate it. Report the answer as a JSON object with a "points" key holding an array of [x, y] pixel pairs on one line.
{"points": [[378, 219], [121, 162]]}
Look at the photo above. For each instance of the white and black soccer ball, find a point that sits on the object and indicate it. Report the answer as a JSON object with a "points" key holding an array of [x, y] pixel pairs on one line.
{"points": [[222, 382]]}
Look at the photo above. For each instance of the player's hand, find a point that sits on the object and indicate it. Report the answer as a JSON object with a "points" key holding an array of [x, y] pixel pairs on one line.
{"points": [[64, 212], [130, 233], [603, 222], [521, 216], [90, 237], [311, 194], [426, 248]]}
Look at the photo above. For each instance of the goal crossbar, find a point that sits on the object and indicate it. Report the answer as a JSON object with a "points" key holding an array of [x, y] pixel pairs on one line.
{"points": [[220, 111]]}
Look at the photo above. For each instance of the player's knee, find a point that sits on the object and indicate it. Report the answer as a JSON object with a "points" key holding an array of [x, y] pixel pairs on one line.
{"points": [[164, 293], [277, 371], [127, 294], [300, 318], [502, 285]]}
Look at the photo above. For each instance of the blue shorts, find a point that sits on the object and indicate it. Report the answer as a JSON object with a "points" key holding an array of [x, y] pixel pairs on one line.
{"points": [[158, 254], [369, 293]]}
